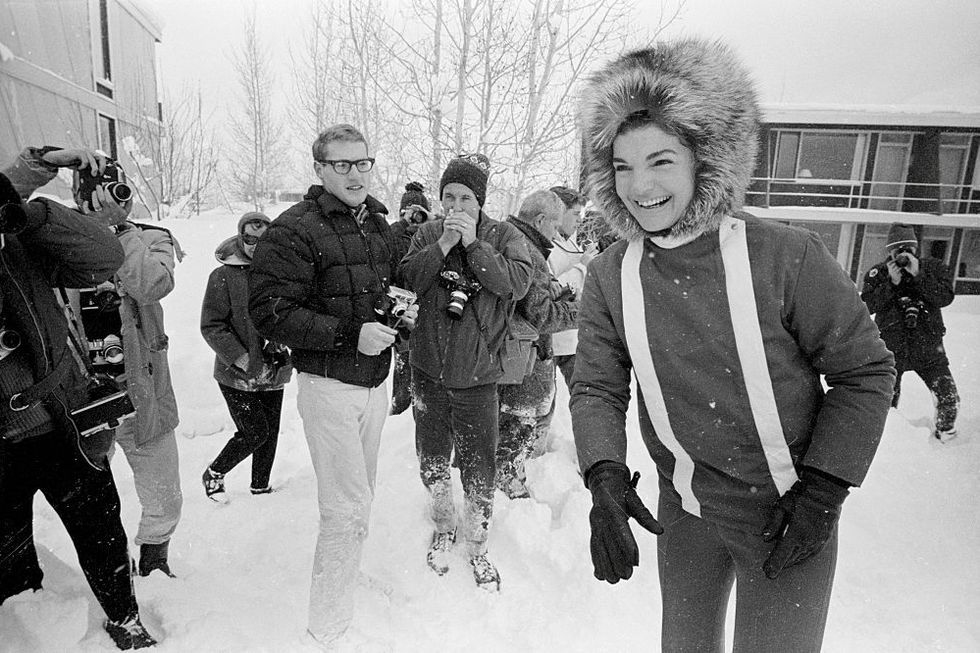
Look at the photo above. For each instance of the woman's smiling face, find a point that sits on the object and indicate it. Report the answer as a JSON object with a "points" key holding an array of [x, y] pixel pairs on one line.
{"points": [[654, 176]]}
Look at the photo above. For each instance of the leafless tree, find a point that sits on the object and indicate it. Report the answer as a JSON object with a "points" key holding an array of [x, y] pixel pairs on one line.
{"points": [[258, 151]]}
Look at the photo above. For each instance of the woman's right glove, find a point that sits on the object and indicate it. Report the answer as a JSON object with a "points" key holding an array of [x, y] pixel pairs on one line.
{"points": [[803, 520], [614, 501]]}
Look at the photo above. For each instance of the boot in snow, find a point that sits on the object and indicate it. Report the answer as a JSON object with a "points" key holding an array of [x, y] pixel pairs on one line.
{"points": [[485, 573], [154, 556], [261, 490], [214, 486], [438, 555], [944, 436], [129, 634]]}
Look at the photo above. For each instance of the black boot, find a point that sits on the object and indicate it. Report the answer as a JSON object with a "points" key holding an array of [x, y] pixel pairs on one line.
{"points": [[154, 556], [129, 634]]}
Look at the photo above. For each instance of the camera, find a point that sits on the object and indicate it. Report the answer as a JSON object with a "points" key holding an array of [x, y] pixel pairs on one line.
{"points": [[394, 303], [275, 354], [911, 308], [112, 179], [460, 289], [903, 256], [9, 341], [414, 214]]}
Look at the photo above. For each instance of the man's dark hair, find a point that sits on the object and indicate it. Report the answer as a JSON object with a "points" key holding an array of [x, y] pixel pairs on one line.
{"points": [[568, 196]]}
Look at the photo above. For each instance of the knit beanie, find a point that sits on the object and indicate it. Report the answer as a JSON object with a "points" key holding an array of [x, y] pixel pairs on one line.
{"points": [[471, 170], [414, 194], [901, 234]]}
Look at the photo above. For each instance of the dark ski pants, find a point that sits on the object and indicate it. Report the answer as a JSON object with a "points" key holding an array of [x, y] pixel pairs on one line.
{"points": [[256, 416], [939, 380], [700, 561], [87, 502], [401, 384], [464, 419]]}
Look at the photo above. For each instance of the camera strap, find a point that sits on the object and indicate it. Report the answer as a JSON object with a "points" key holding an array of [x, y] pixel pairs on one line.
{"points": [[73, 330]]}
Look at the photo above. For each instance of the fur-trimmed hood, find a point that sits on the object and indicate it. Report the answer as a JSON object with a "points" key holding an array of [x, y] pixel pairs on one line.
{"points": [[701, 93]]}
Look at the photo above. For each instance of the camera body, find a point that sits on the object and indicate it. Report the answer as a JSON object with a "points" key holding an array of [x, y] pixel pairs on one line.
{"points": [[903, 256], [461, 290], [103, 327], [393, 304], [112, 179], [414, 214], [911, 310]]}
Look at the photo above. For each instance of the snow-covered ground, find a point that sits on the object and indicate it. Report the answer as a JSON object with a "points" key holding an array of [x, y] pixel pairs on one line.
{"points": [[908, 577]]}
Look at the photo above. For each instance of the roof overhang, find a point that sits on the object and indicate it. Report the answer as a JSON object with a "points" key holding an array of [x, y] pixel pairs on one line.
{"points": [[879, 115]]}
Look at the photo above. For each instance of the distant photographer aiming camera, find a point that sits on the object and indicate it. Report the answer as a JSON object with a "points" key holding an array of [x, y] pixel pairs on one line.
{"points": [[906, 293]]}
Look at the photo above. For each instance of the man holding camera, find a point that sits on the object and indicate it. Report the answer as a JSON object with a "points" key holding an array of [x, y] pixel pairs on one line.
{"points": [[468, 271], [319, 284], [905, 293], [43, 244]]}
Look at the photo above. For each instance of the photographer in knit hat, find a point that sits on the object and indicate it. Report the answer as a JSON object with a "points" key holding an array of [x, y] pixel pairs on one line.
{"points": [[468, 271], [413, 210], [906, 294]]}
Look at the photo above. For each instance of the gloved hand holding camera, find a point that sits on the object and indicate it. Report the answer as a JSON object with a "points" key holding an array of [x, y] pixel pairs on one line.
{"points": [[903, 260], [614, 501]]}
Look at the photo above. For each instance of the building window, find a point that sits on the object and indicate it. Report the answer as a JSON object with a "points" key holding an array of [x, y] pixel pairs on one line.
{"points": [[891, 170], [953, 151], [107, 136], [872, 247], [817, 155], [105, 71], [968, 267]]}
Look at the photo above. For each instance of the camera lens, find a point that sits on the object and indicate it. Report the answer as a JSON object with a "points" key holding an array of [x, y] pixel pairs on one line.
{"points": [[9, 340], [457, 302], [120, 192]]}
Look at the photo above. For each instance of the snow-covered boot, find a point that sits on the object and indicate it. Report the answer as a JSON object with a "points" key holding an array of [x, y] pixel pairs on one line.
{"points": [[154, 556], [214, 485], [129, 634], [438, 555], [261, 490], [485, 573]]}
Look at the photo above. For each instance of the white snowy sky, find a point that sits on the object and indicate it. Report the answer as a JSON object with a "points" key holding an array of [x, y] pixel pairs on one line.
{"points": [[872, 52]]}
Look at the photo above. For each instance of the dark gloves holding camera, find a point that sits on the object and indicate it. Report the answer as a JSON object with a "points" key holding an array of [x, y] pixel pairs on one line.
{"points": [[614, 501], [803, 519]]}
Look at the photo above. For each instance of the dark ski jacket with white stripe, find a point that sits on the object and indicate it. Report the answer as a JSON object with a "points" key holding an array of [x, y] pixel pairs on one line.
{"points": [[696, 315]]}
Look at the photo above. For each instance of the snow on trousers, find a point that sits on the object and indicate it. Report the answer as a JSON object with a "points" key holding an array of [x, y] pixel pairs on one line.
{"points": [[464, 419], [86, 501], [525, 418], [343, 424], [156, 474], [699, 561], [926, 356]]}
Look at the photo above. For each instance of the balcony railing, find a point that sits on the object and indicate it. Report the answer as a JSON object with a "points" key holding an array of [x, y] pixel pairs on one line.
{"points": [[878, 195]]}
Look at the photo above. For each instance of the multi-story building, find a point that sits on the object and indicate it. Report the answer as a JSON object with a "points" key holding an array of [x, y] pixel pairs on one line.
{"points": [[849, 174], [82, 73]]}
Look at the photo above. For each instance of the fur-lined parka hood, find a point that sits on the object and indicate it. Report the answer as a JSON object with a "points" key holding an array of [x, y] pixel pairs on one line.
{"points": [[701, 93]]}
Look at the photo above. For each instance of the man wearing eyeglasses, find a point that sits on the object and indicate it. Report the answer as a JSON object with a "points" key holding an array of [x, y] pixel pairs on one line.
{"points": [[318, 281]]}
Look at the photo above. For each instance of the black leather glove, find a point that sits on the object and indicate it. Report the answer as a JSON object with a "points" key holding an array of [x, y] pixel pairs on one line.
{"points": [[614, 501], [803, 519]]}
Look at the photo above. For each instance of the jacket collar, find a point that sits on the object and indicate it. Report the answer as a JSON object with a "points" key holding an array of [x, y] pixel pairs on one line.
{"points": [[536, 237]]}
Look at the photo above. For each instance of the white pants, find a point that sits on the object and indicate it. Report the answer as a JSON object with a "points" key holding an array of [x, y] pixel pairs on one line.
{"points": [[343, 425], [156, 473]]}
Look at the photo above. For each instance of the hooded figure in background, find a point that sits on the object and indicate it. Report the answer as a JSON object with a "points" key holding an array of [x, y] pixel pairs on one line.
{"points": [[728, 323], [250, 370]]}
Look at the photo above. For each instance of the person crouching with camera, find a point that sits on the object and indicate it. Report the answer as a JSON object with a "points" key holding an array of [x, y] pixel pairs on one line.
{"points": [[905, 293], [468, 271], [41, 447]]}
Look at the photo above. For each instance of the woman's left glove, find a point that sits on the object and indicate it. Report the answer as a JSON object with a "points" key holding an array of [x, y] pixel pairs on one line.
{"points": [[803, 520]]}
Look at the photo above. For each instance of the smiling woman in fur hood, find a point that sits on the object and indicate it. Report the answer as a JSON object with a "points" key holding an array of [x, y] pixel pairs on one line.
{"points": [[728, 323]]}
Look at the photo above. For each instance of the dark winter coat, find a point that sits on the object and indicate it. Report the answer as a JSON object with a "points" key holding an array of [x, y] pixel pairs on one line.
{"points": [[316, 276], [934, 288], [402, 232], [548, 309], [465, 353], [228, 330], [59, 247]]}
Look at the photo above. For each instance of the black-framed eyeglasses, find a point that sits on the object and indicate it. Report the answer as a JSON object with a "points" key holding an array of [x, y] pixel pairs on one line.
{"points": [[343, 166], [250, 239]]}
